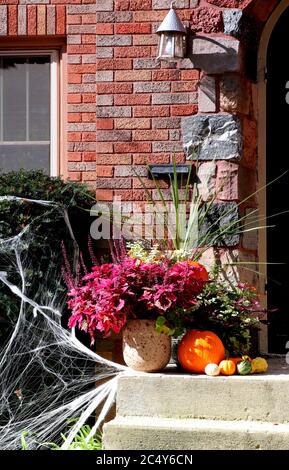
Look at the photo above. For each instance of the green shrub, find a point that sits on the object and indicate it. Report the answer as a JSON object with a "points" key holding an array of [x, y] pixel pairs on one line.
{"points": [[41, 248]]}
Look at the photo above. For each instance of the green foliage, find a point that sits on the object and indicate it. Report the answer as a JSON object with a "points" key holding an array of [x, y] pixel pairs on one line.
{"points": [[78, 443], [48, 230], [232, 312]]}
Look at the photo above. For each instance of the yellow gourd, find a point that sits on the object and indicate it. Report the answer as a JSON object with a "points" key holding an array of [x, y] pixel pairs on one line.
{"points": [[259, 365]]}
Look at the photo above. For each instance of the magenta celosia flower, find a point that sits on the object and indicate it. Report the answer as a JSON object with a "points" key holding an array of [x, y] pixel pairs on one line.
{"points": [[113, 292]]}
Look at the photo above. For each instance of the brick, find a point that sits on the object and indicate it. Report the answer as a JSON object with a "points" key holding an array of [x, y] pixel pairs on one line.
{"points": [[146, 63], [104, 171], [113, 136], [82, 127], [166, 75], [112, 183], [104, 100], [104, 28], [115, 159], [104, 124], [104, 76], [133, 5], [115, 64], [81, 88], [145, 159], [83, 166], [150, 111], [88, 117], [88, 39], [73, 19], [12, 20], [89, 176], [74, 77], [60, 19], [82, 108], [81, 29], [133, 28], [114, 111], [149, 16], [114, 40], [74, 156], [3, 20], [131, 195], [133, 51], [151, 135], [74, 59], [74, 39], [88, 98], [73, 117], [105, 52], [184, 110], [51, 16], [190, 75], [104, 5], [128, 170], [166, 123], [114, 88], [145, 40], [74, 176], [31, 20], [88, 19], [41, 19], [149, 184], [73, 136], [88, 78], [132, 99], [22, 19], [167, 147], [152, 87], [74, 98], [144, 123], [184, 86], [104, 147], [133, 75], [82, 9], [83, 49], [169, 98], [104, 195], [114, 17], [89, 156], [132, 147]]}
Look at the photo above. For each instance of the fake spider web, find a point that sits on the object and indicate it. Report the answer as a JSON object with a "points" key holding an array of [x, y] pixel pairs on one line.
{"points": [[48, 376]]}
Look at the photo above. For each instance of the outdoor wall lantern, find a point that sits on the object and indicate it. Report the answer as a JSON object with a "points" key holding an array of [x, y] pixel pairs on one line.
{"points": [[173, 35]]}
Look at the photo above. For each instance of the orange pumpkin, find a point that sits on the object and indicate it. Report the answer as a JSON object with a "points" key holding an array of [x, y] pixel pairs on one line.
{"points": [[227, 367], [198, 349], [202, 274]]}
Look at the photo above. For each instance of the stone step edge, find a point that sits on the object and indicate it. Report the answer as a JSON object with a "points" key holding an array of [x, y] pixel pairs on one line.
{"points": [[200, 424]]}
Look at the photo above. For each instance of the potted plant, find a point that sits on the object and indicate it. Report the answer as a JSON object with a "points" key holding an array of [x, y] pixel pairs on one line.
{"points": [[150, 299]]}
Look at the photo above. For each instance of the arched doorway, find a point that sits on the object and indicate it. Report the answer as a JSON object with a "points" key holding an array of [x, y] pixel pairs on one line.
{"points": [[273, 161]]}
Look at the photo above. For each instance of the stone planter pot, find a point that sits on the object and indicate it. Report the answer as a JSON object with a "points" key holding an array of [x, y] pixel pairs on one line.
{"points": [[144, 349]]}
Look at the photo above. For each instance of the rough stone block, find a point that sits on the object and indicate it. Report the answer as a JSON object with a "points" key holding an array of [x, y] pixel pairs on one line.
{"points": [[212, 137], [234, 95], [207, 95], [214, 54], [207, 20], [238, 266], [227, 181], [232, 18], [207, 180], [221, 224], [250, 236]]}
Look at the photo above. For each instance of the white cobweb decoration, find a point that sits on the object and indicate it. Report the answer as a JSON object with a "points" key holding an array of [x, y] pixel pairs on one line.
{"points": [[47, 376]]}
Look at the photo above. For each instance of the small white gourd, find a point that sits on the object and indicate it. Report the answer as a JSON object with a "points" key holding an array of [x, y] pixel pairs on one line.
{"points": [[212, 369]]}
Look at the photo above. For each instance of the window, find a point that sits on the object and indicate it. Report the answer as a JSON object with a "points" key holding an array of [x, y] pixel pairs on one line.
{"points": [[28, 111]]}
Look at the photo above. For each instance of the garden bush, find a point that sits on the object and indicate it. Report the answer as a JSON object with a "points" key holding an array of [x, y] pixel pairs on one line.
{"points": [[41, 250]]}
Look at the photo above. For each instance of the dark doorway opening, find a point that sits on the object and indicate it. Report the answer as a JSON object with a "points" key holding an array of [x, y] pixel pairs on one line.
{"points": [[278, 193]]}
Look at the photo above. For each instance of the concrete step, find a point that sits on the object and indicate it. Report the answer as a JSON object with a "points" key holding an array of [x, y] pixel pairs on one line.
{"points": [[168, 395], [133, 433]]}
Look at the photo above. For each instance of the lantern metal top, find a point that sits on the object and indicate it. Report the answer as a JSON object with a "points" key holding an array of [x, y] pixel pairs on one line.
{"points": [[172, 23]]}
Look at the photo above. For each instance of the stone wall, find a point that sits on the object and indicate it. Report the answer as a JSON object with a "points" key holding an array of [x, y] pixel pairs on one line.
{"points": [[147, 110]]}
